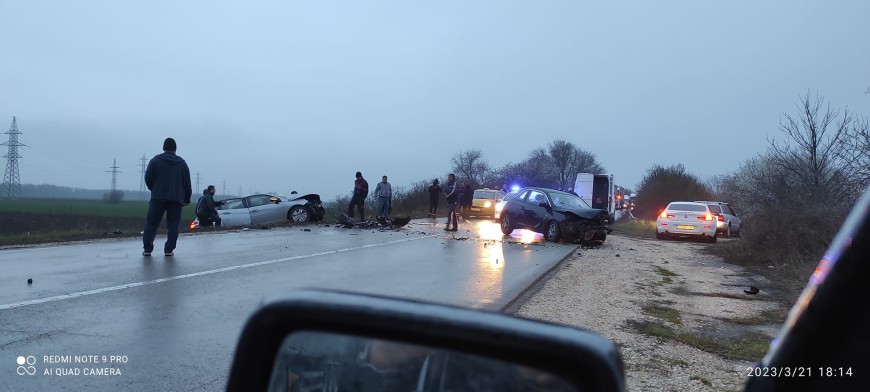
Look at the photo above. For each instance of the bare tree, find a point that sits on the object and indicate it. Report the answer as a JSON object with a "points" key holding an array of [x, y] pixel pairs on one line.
{"points": [[855, 153], [567, 160], [811, 149], [562, 155], [470, 165]]}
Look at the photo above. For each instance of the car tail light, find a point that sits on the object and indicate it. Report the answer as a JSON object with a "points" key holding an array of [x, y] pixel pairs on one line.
{"points": [[665, 215], [708, 217], [720, 218]]}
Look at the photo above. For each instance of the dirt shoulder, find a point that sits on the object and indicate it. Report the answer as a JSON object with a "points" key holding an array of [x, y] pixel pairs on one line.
{"points": [[679, 315]]}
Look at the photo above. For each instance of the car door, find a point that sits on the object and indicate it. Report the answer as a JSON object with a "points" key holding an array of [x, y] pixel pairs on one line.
{"points": [[263, 211], [234, 212], [536, 214], [514, 209]]}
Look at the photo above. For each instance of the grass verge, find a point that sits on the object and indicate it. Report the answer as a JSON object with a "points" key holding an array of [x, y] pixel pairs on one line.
{"points": [[636, 228], [750, 347]]}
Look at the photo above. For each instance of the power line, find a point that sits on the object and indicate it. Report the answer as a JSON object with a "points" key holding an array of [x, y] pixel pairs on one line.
{"points": [[142, 165], [12, 178]]}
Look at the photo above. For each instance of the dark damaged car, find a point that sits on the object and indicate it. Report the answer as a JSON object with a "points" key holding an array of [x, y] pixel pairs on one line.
{"points": [[557, 215], [263, 210]]}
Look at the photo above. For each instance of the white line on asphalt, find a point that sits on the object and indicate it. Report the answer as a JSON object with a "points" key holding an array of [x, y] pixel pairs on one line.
{"points": [[201, 273]]}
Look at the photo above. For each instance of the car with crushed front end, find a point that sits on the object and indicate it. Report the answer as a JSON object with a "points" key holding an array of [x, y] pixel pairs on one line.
{"points": [[264, 209], [687, 219], [555, 214]]}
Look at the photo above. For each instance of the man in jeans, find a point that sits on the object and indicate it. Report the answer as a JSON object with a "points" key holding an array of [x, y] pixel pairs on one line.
{"points": [[384, 192], [168, 179]]}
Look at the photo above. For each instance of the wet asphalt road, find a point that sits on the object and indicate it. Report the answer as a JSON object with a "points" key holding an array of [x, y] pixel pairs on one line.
{"points": [[174, 322]]}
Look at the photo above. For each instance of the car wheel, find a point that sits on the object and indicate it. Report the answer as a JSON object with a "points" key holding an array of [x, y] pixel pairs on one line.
{"points": [[506, 224], [660, 236], [728, 231], [711, 240], [553, 233], [299, 214]]}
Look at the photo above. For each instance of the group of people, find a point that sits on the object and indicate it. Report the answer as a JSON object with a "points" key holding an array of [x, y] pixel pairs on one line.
{"points": [[459, 198], [168, 178], [383, 193]]}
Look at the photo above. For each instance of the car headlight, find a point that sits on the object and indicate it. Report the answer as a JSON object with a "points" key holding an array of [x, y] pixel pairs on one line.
{"points": [[498, 207], [487, 205]]}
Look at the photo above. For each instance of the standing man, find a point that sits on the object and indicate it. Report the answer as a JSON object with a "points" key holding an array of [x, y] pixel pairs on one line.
{"points": [[434, 194], [360, 192], [384, 192], [452, 192], [205, 208], [466, 198], [168, 179]]}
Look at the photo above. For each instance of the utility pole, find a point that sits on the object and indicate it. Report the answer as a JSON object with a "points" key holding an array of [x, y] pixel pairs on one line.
{"points": [[240, 191], [114, 172], [197, 182], [224, 188], [12, 179], [142, 165]]}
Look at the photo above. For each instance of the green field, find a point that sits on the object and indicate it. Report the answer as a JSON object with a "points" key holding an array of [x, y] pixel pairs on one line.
{"points": [[28, 221]]}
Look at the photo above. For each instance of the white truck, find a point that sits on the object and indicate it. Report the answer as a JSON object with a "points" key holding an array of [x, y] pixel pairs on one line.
{"points": [[598, 191]]}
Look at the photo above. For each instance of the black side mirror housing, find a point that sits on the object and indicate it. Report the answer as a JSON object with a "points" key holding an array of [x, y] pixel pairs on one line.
{"points": [[581, 358]]}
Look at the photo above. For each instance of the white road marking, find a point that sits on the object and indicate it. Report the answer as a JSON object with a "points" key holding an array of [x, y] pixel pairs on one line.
{"points": [[201, 273]]}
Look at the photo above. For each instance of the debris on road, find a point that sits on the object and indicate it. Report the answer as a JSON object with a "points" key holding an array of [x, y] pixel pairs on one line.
{"points": [[29, 280], [752, 290], [383, 224]]}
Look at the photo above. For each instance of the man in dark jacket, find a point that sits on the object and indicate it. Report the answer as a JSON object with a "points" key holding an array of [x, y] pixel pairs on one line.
{"points": [[466, 198], [168, 179], [452, 192], [205, 208], [360, 192], [434, 195]]}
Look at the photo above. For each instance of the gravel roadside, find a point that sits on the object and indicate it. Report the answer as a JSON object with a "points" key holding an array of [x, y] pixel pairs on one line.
{"points": [[679, 316]]}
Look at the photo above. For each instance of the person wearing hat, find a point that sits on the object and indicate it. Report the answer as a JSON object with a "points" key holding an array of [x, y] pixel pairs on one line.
{"points": [[168, 179]]}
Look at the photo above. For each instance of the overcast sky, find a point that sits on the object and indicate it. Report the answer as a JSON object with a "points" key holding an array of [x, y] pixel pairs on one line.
{"points": [[290, 95]]}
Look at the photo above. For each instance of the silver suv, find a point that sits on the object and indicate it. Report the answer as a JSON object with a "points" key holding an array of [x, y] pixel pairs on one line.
{"points": [[728, 224]]}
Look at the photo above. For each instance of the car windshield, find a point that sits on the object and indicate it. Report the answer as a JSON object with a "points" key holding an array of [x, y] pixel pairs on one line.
{"points": [[567, 200], [485, 194], [714, 208]]}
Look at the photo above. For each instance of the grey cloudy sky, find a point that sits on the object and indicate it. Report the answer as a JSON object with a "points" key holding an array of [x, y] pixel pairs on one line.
{"points": [[281, 95]]}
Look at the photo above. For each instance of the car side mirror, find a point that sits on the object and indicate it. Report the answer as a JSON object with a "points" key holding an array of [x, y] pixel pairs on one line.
{"points": [[275, 200], [326, 340]]}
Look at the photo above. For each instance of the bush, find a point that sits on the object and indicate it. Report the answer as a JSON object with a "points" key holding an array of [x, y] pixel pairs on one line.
{"points": [[662, 185]]}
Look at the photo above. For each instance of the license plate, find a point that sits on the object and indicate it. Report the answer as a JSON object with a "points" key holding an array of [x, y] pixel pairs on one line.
{"points": [[686, 227], [475, 208]]}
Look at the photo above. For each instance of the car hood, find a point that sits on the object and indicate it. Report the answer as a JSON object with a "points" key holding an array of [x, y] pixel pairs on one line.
{"points": [[585, 213]]}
